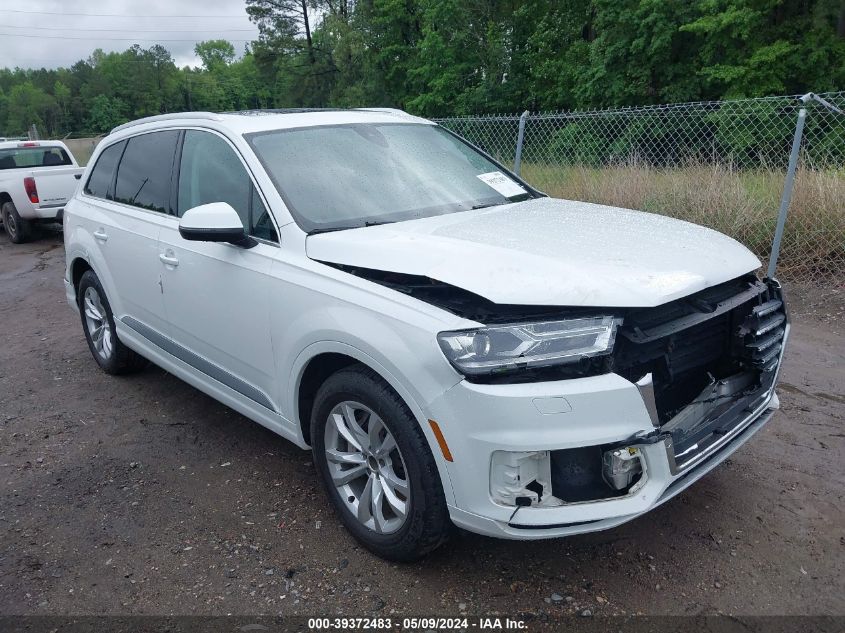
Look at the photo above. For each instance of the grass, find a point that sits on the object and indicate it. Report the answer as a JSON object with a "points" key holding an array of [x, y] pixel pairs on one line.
{"points": [[741, 203]]}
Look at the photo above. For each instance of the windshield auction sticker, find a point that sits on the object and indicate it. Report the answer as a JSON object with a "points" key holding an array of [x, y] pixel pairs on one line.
{"points": [[501, 183]]}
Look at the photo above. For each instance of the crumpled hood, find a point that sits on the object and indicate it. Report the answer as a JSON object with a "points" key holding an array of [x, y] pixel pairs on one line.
{"points": [[548, 252]]}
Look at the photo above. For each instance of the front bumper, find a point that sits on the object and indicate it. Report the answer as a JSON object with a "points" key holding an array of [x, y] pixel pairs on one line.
{"points": [[603, 410]]}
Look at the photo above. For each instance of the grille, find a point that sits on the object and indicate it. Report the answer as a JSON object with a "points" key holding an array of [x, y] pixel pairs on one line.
{"points": [[762, 333], [735, 327]]}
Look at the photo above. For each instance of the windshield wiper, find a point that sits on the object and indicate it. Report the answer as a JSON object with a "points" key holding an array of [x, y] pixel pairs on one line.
{"points": [[331, 229], [484, 206], [520, 198]]}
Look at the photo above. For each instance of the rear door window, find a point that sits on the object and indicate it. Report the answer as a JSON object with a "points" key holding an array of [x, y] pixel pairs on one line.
{"points": [[100, 182], [144, 173]]}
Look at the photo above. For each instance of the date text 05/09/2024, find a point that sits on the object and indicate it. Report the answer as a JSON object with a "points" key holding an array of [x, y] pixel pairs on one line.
{"points": [[417, 623]]}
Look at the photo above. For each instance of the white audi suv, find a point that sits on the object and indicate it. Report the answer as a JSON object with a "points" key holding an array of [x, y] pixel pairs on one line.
{"points": [[455, 347]]}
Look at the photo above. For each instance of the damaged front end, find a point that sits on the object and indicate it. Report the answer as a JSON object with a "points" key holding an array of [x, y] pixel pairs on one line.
{"points": [[705, 367], [710, 362]]}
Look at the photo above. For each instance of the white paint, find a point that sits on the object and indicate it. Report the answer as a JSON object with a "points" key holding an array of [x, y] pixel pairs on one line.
{"points": [[211, 216], [548, 252]]}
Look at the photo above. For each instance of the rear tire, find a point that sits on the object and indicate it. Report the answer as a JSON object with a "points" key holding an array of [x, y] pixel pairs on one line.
{"points": [[111, 355], [18, 229], [375, 441]]}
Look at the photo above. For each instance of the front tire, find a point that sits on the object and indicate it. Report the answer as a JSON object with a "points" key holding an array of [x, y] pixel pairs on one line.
{"points": [[377, 467], [18, 229], [111, 355]]}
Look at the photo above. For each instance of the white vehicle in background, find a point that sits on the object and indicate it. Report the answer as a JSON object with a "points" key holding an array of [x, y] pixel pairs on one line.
{"points": [[454, 346], [37, 178]]}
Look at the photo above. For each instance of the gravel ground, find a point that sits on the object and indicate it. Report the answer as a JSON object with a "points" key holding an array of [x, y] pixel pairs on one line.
{"points": [[141, 495]]}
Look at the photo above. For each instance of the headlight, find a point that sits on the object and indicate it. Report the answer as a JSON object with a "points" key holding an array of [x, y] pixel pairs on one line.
{"points": [[502, 347]]}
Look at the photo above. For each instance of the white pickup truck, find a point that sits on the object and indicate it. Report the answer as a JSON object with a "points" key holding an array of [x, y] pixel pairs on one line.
{"points": [[36, 180]]}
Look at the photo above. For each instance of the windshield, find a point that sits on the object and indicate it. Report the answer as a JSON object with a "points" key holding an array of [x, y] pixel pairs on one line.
{"points": [[19, 157], [345, 176]]}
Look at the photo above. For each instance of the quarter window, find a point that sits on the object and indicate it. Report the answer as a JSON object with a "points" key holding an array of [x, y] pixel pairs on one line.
{"points": [[143, 176], [210, 171], [100, 182], [260, 222]]}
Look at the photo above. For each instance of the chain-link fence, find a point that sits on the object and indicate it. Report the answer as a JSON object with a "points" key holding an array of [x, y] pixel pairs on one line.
{"points": [[722, 164], [82, 147]]}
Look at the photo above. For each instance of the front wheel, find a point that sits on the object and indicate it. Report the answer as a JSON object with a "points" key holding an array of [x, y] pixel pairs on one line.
{"points": [[18, 229], [377, 467]]}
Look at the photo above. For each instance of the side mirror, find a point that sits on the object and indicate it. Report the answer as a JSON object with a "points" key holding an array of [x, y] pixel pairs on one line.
{"points": [[214, 222]]}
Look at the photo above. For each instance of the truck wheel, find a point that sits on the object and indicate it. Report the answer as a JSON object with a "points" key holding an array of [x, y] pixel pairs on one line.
{"points": [[377, 467], [18, 229], [111, 355]]}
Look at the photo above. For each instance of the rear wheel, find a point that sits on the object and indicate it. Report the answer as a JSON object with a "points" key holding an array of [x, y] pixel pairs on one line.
{"points": [[377, 467], [111, 355], [18, 229]]}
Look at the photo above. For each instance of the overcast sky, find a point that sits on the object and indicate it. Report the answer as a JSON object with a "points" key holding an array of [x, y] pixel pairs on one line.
{"points": [[54, 33]]}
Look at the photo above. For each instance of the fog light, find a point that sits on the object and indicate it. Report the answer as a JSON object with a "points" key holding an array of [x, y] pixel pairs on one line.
{"points": [[620, 466]]}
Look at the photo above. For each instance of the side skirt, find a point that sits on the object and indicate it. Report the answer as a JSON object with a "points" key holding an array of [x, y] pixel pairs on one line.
{"points": [[206, 376]]}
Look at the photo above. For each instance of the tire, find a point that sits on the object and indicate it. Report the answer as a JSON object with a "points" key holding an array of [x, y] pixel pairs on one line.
{"points": [[18, 229], [425, 524], [111, 355]]}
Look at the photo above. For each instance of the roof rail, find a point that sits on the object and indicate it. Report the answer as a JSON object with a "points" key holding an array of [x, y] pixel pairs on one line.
{"points": [[259, 111], [385, 110], [167, 117]]}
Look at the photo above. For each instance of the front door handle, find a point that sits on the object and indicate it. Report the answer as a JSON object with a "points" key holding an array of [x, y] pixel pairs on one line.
{"points": [[100, 234], [167, 260]]}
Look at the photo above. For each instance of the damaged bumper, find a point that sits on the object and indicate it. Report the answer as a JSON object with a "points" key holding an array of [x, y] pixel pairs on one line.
{"points": [[540, 460]]}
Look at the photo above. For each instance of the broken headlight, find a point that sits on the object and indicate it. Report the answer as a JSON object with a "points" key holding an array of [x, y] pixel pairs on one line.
{"points": [[499, 348]]}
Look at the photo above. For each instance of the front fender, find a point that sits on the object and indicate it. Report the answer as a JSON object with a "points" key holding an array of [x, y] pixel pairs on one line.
{"points": [[405, 391]]}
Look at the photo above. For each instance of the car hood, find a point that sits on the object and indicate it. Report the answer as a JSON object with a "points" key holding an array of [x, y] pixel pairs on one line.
{"points": [[547, 252]]}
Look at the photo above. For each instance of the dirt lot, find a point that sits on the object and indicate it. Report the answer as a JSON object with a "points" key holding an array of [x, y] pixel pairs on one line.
{"points": [[141, 495]]}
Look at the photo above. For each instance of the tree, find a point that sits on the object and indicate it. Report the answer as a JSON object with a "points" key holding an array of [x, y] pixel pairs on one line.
{"points": [[447, 57], [27, 105], [61, 93], [215, 54], [758, 47], [106, 113], [283, 21]]}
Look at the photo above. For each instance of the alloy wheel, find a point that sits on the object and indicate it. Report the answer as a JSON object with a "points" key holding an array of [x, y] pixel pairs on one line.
{"points": [[97, 322], [366, 467]]}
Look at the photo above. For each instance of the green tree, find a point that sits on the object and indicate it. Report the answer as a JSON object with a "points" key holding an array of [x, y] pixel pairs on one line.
{"points": [[106, 113], [62, 95], [215, 54], [447, 57], [28, 104]]}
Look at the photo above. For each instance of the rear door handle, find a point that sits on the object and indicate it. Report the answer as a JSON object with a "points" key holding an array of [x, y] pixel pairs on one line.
{"points": [[168, 261], [100, 234]]}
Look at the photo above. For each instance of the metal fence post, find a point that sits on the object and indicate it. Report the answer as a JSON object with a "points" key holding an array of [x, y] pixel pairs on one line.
{"points": [[786, 198], [517, 160]]}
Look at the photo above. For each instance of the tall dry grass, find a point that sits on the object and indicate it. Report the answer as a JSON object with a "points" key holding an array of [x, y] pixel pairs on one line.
{"points": [[741, 203]]}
